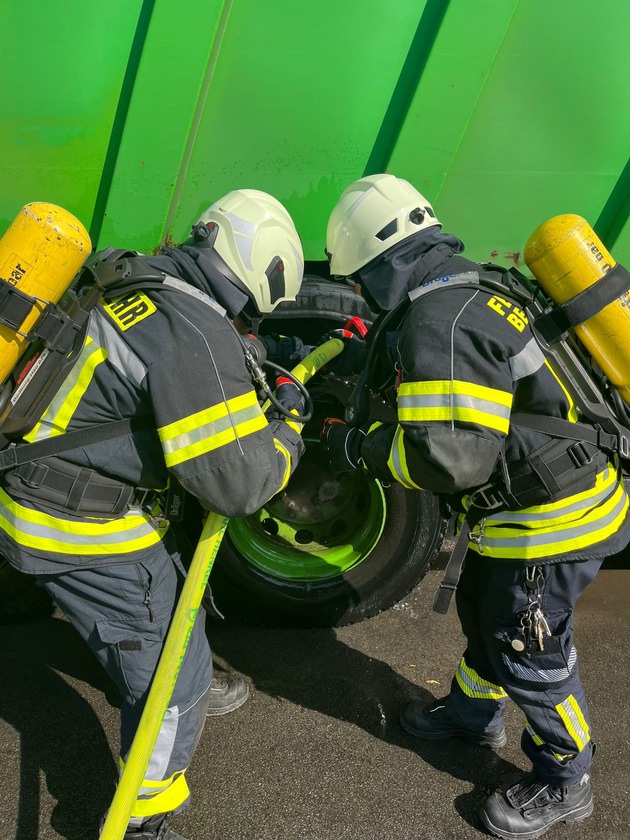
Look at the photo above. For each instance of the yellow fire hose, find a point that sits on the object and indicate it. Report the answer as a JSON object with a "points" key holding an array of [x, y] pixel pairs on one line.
{"points": [[177, 640]]}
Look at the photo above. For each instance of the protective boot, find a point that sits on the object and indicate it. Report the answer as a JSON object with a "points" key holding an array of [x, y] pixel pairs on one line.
{"points": [[153, 828], [433, 723], [227, 692], [530, 807]]}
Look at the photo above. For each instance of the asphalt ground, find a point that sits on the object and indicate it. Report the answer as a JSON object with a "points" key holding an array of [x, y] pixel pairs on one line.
{"points": [[316, 753]]}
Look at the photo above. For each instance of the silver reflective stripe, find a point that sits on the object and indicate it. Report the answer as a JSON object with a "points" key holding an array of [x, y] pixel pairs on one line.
{"points": [[552, 675], [162, 751], [180, 285], [243, 238], [574, 721], [466, 277], [561, 535], [589, 502], [244, 244], [395, 459], [395, 456], [47, 427], [240, 225], [68, 536], [56, 535], [119, 354], [528, 361], [475, 686], [452, 400], [211, 429]]}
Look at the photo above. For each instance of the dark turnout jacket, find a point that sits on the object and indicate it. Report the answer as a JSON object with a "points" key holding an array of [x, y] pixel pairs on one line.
{"points": [[166, 356], [467, 360]]}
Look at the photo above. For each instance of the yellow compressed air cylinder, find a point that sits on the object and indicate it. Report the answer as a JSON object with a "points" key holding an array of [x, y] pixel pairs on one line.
{"points": [[566, 256], [40, 255]]}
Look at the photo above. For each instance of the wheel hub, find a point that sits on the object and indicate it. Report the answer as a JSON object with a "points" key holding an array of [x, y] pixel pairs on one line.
{"points": [[319, 525], [314, 494]]}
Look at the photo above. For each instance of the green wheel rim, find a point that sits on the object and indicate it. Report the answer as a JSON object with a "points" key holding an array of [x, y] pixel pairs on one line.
{"points": [[317, 528]]}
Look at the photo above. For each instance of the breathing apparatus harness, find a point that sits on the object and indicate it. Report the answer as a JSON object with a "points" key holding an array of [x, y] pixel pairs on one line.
{"points": [[33, 470], [570, 459]]}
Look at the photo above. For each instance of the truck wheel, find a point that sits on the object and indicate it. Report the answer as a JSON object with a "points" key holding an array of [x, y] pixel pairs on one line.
{"points": [[20, 597], [329, 550]]}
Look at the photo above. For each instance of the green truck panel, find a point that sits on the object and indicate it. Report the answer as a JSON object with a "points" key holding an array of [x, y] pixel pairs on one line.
{"points": [[136, 114]]}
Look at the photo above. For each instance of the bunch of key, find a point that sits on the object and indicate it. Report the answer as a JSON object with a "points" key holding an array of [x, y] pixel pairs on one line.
{"points": [[533, 624]]}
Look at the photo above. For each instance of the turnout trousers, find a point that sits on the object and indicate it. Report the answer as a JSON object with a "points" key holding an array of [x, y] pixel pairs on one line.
{"points": [[492, 598], [123, 612]]}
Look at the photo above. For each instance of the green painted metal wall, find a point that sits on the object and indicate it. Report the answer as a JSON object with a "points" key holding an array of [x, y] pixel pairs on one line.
{"points": [[136, 114]]}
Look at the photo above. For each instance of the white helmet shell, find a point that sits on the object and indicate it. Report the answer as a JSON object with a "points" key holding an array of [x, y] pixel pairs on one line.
{"points": [[258, 242], [373, 214]]}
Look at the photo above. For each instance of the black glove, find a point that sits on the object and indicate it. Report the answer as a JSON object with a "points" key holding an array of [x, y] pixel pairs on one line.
{"points": [[352, 357], [256, 347], [342, 444], [285, 350], [290, 396]]}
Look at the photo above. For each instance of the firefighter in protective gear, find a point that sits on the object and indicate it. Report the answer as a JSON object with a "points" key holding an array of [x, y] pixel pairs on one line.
{"points": [[168, 358], [467, 361]]}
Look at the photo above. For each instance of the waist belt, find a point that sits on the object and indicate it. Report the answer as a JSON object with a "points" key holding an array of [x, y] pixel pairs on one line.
{"points": [[552, 472], [68, 487]]}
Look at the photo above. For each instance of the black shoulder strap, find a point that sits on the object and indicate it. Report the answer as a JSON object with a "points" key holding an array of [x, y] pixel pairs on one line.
{"points": [[557, 427], [23, 453]]}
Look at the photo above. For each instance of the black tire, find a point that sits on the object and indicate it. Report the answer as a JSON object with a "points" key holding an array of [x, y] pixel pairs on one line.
{"points": [[413, 532], [20, 597], [410, 542]]}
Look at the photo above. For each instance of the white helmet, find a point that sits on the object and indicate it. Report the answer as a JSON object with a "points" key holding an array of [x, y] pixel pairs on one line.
{"points": [[259, 248], [373, 214]]}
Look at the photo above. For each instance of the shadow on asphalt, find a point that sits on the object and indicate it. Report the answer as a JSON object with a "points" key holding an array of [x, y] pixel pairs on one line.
{"points": [[315, 670], [61, 737], [62, 740]]}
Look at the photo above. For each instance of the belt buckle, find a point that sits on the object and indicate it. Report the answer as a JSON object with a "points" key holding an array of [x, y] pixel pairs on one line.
{"points": [[490, 497], [142, 501], [36, 474], [579, 454]]}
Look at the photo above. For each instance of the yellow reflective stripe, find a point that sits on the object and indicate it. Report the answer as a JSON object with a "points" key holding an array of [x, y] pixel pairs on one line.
{"points": [[572, 414], [211, 428], [574, 721], [454, 400], [34, 529], [533, 735], [601, 522], [397, 462], [287, 470], [475, 686], [207, 415], [562, 757], [565, 510], [297, 427], [58, 414], [374, 426], [76, 394], [455, 386], [168, 795]]}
